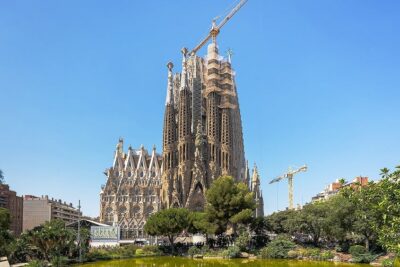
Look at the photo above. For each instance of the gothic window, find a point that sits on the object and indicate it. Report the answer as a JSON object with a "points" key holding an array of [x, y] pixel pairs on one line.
{"points": [[135, 209], [149, 210]]}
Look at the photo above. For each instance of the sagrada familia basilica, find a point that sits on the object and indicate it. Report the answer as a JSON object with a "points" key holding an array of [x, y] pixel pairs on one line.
{"points": [[202, 140]]}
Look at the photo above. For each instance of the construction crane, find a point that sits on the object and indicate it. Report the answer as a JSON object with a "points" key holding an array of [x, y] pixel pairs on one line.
{"points": [[216, 28], [289, 176]]}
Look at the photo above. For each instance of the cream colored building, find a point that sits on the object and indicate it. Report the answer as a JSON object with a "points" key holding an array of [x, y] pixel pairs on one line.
{"points": [[38, 210]]}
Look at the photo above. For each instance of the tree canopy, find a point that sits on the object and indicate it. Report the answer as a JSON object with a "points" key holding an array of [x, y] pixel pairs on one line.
{"points": [[168, 222], [228, 203]]}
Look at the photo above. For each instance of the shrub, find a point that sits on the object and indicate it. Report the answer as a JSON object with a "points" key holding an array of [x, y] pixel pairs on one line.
{"points": [[327, 255], [193, 250], [98, 254], [151, 250], [277, 249], [37, 263], [242, 241], [357, 250], [139, 252], [59, 261], [388, 263], [205, 249], [361, 255], [231, 252]]}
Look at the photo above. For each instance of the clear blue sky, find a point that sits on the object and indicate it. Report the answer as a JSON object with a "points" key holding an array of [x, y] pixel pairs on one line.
{"points": [[318, 83]]}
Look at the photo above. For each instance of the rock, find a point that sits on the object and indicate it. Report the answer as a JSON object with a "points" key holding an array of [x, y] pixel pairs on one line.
{"points": [[336, 259], [244, 255]]}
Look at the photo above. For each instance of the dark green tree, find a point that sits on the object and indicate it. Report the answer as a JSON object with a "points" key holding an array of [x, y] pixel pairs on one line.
{"points": [[169, 223], [52, 239], [5, 235], [277, 222], [389, 207], [1, 177], [229, 204]]}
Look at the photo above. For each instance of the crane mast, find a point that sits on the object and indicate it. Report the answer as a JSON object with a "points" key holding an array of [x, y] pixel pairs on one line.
{"points": [[215, 29], [289, 176]]}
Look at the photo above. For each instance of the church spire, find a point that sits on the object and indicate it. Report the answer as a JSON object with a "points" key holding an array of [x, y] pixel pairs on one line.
{"points": [[184, 82], [170, 87]]}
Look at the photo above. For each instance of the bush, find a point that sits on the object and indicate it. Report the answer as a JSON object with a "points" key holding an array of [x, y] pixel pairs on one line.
{"points": [[139, 252], [327, 255], [388, 263], [357, 250], [98, 254], [278, 249], [59, 261], [37, 263], [231, 252], [242, 241], [151, 250], [193, 250], [361, 255]]}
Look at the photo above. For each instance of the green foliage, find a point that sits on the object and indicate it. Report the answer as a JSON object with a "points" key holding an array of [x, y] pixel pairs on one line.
{"points": [[1, 177], [242, 241], [278, 248], [193, 250], [151, 250], [228, 203], [139, 252], [169, 222], [52, 239], [367, 214], [5, 235], [278, 222], [59, 261], [388, 263], [231, 252], [357, 250], [37, 263], [199, 223], [360, 254]]}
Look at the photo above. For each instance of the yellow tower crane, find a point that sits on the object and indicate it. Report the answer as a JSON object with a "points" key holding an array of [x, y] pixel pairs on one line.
{"points": [[289, 176], [216, 28]]}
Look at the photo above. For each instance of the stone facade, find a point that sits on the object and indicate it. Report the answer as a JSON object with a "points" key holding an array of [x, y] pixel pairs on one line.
{"points": [[202, 140], [132, 191], [9, 200], [202, 134]]}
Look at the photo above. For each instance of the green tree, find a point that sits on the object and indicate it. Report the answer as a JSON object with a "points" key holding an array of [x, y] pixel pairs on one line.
{"points": [[199, 223], [259, 227], [367, 216], [340, 218], [313, 221], [277, 222], [228, 204], [389, 207], [1, 177], [52, 239], [169, 223], [5, 235]]}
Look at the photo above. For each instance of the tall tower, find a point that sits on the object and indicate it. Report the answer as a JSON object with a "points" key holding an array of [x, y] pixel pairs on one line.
{"points": [[169, 143], [207, 141], [257, 193]]}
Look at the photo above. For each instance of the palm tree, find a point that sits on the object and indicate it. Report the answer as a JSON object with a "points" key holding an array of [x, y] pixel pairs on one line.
{"points": [[384, 172]]}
